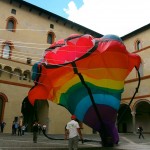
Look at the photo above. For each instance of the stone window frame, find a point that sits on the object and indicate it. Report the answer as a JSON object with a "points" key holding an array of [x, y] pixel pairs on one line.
{"points": [[11, 47], [14, 21], [138, 45], [52, 34]]}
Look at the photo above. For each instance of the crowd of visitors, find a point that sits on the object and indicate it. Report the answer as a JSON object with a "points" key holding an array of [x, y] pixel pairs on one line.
{"points": [[18, 128]]}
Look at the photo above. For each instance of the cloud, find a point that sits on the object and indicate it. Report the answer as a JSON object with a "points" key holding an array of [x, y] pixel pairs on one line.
{"points": [[72, 9], [110, 16]]}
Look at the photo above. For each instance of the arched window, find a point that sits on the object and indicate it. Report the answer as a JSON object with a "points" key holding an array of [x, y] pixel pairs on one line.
{"points": [[6, 49], [27, 75], [7, 72], [11, 24], [138, 45], [50, 37], [17, 73]]}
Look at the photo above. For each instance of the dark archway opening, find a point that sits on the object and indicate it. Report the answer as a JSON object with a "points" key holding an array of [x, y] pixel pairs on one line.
{"points": [[1, 108], [38, 112], [143, 115], [124, 120], [28, 114]]}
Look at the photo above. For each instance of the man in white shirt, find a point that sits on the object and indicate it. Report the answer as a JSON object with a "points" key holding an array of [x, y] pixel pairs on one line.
{"points": [[72, 130]]}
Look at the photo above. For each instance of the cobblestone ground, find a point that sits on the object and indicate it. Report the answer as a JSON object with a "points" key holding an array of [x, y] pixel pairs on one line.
{"points": [[127, 142]]}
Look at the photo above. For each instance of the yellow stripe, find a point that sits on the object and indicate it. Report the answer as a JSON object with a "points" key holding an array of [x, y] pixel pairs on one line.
{"points": [[105, 83], [107, 73]]}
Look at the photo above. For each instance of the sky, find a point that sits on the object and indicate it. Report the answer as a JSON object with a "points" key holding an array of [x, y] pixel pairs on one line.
{"points": [[118, 17]]}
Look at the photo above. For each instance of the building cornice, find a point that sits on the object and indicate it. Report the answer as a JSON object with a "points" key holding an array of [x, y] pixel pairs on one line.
{"points": [[136, 97], [16, 84], [136, 79], [135, 32]]}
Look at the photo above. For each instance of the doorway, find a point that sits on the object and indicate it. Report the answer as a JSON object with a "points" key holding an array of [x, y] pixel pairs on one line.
{"points": [[124, 120], [38, 112]]}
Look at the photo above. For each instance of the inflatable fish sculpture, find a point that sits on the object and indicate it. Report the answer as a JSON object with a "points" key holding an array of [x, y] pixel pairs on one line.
{"points": [[86, 76]]}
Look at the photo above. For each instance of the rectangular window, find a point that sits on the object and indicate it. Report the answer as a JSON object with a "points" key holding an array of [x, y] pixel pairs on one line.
{"points": [[13, 11]]}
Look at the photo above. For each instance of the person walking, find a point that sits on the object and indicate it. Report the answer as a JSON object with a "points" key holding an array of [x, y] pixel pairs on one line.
{"points": [[19, 130], [2, 124], [23, 128], [44, 128], [72, 130], [15, 128], [35, 131], [140, 130], [39, 128]]}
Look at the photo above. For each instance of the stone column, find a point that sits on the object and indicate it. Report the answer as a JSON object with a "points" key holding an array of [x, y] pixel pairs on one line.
{"points": [[133, 121]]}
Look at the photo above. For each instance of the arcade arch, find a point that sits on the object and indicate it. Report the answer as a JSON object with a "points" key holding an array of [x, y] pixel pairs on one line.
{"points": [[142, 114], [17, 74], [124, 120], [130, 118], [3, 100]]}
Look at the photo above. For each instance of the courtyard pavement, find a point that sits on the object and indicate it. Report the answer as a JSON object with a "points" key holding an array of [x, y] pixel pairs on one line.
{"points": [[128, 141]]}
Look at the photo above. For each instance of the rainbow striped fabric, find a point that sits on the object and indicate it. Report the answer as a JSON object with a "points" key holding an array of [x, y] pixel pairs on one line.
{"points": [[80, 67]]}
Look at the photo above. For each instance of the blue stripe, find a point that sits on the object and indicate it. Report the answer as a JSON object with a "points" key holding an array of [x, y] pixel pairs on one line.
{"points": [[103, 99]]}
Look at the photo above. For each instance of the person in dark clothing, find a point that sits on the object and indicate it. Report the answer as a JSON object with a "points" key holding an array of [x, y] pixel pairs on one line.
{"points": [[23, 128], [13, 128], [35, 131], [40, 128], [140, 130], [44, 128], [19, 130], [2, 124]]}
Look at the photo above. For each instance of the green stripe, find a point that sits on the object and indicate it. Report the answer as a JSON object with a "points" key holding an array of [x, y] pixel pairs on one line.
{"points": [[77, 92]]}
